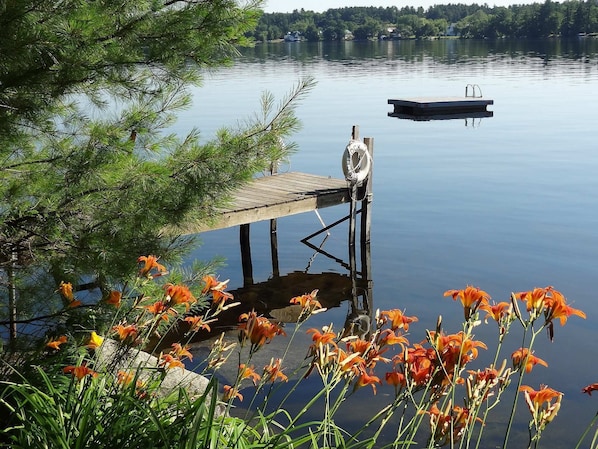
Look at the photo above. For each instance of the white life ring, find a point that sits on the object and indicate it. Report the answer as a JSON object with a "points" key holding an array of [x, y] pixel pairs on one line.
{"points": [[357, 162]]}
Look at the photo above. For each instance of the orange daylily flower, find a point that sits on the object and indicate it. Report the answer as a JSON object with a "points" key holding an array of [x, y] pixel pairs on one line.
{"points": [[420, 370], [370, 352], [489, 375], [179, 294], [219, 297], [126, 332], [197, 323], [456, 348], [258, 329], [231, 393], [497, 311], [125, 377], [349, 362], [469, 348], [472, 298], [114, 298], [79, 371], [66, 291], [273, 371], [180, 352], [156, 308], [552, 303], [55, 344], [544, 394], [211, 283], [169, 361], [440, 424], [398, 319], [307, 301], [217, 289], [95, 341], [151, 268], [534, 299], [246, 372], [557, 307], [419, 363], [563, 311], [161, 310], [540, 404], [322, 338], [448, 426], [367, 379], [359, 345], [523, 355], [483, 384], [396, 378], [389, 337], [590, 388]]}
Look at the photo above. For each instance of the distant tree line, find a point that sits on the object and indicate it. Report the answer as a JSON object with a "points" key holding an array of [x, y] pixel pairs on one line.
{"points": [[538, 20]]}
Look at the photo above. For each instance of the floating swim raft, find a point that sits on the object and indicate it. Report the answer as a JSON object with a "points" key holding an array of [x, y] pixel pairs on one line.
{"points": [[428, 106]]}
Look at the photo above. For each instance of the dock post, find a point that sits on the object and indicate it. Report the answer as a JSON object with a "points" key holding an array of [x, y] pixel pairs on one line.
{"points": [[366, 224], [352, 224], [366, 196], [353, 207]]}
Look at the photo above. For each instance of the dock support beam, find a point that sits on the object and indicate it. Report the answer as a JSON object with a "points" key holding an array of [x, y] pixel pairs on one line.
{"points": [[361, 311]]}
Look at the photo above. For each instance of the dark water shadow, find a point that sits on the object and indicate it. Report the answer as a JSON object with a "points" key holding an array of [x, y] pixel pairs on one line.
{"points": [[271, 297]]}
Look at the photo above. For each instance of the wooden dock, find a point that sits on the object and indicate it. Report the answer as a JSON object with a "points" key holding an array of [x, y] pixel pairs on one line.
{"points": [[279, 195], [282, 194], [430, 106]]}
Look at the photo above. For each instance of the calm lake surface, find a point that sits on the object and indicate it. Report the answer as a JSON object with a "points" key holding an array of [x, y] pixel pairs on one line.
{"points": [[505, 203]]}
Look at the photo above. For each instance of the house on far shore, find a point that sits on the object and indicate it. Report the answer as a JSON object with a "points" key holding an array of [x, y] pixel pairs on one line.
{"points": [[294, 36], [391, 34], [450, 31]]}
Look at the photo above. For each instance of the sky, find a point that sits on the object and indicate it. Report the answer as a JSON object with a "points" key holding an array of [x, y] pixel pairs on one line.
{"points": [[323, 5]]}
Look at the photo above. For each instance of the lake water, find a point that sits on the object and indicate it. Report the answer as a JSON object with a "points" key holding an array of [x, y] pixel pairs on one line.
{"points": [[505, 203]]}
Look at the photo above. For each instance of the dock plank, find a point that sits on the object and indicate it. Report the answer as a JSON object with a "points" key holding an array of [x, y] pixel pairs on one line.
{"points": [[277, 196]]}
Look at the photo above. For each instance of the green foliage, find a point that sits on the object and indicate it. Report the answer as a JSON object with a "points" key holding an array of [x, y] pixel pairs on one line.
{"points": [[98, 412], [90, 171], [536, 20]]}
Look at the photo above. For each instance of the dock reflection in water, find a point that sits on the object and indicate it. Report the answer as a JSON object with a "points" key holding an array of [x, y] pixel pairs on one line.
{"points": [[271, 297]]}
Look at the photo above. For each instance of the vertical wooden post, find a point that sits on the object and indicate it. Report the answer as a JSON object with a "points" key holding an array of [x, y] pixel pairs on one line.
{"points": [[246, 264], [352, 204], [352, 224], [353, 213], [366, 195], [366, 223]]}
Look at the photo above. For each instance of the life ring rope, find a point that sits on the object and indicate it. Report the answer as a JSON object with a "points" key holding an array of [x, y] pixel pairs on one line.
{"points": [[357, 162]]}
